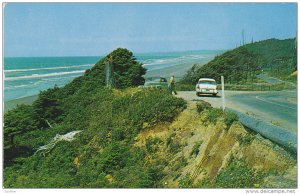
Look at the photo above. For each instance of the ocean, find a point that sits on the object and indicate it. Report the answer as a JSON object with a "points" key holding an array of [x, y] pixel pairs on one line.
{"points": [[27, 76]]}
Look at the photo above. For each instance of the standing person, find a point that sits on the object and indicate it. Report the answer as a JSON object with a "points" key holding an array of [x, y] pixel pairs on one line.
{"points": [[172, 85]]}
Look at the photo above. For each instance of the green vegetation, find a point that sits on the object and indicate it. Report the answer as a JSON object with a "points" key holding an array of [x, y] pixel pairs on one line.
{"points": [[152, 144], [241, 65], [173, 144], [203, 105], [238, 175], [185, 182], [246, 140], [179, 163], [196, 148], [102, 155], [212, 115]]}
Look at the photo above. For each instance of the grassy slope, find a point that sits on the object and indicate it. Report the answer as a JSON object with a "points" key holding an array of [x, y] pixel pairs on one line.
{"points": [[240, 65]]}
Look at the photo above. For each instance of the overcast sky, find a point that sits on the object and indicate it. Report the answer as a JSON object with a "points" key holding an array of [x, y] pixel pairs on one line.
{"points": [[93, 29]]}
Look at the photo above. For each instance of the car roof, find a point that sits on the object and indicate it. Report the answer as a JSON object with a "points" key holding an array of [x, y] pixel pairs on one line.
{"points": [[207, 79], [152, 78]]}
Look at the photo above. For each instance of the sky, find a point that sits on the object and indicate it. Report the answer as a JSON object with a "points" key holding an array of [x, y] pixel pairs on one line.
{"points": [[95, 29]]}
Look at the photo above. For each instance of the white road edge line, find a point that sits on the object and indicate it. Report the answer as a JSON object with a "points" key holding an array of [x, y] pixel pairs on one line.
{"points": [[258, 98]]}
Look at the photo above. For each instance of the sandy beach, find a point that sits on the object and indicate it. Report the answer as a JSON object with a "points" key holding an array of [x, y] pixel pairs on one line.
{"points": [[178, 70], [8, 105]]}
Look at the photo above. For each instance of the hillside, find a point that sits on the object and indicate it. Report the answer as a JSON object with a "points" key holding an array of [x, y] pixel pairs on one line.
{"points": [[241, 65], [133, 138]]}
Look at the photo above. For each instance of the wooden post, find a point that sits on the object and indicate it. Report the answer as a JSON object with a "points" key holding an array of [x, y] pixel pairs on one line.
{"points": [[109, 72], [223, 93]]}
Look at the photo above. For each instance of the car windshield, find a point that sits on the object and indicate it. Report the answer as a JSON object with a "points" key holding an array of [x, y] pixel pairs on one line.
{"points": [[159, 80], [207, 82]]}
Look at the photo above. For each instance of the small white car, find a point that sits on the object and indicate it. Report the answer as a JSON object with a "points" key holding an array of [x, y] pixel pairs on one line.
{"points": [[206, 86]]}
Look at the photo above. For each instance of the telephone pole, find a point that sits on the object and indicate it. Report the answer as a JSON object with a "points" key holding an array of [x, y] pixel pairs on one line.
{"points": [[109, 73]]}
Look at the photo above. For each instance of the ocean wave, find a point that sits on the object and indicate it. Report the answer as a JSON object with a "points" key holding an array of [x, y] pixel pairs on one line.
{"points": [[18, 86], [182, 59], [43, 75], [46, 68]]}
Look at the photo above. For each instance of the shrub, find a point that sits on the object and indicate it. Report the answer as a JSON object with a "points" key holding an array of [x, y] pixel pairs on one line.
{"points": [[179, 163], [152, 144], [229, 118], [205, 183], [173, 145], [214, 114], [195, 149], [238, 175], [202, 105], [246, 140], [186, 182], [140, 107]]}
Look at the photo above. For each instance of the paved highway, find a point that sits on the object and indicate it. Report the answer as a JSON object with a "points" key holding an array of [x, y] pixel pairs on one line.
{"points": [[277, 107]]}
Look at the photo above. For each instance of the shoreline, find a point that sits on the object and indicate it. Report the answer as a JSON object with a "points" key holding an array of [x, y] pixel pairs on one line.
{"points": [[11, 104]]}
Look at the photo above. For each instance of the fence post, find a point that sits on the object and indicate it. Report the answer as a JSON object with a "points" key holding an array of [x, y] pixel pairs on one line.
{"points": [[223, 93]]}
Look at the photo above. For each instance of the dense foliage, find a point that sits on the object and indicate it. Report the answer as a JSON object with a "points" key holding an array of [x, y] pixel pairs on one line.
{"points": [[241, 65], [102, 155]]}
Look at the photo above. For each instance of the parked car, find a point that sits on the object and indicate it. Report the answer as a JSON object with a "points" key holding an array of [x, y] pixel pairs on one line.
{"points": [[159, 82], [206, 86]]}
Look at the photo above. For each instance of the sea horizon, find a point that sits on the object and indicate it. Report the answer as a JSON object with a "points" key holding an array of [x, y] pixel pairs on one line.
{"points": [[134, 53]]}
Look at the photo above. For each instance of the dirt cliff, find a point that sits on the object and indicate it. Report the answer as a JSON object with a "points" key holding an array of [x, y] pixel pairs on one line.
{"points": [[203, 154]]}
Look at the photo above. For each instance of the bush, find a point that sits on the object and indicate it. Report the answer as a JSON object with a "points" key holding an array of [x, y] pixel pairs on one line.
{"points": [[205, 183], [238, 175], [246, 140], [173, 144], [202, 105], [229, 118], [195, 149], [139, 107], [179, 163], [152, 144], [186, 182], [213, 114]]}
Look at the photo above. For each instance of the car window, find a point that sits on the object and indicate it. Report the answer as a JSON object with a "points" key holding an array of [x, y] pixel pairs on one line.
{"points": [[156, 80], [207, 82], [163, 79]]}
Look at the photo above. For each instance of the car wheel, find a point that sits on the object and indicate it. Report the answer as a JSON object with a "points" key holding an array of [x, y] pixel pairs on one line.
{"points": [[198, 94], [214, 95]]}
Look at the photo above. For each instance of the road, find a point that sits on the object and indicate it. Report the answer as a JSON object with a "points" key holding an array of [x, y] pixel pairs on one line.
{"points": [[276, 107]]}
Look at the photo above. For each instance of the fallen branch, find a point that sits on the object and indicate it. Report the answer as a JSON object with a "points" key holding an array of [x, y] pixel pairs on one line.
{"points": [[67, 137]]}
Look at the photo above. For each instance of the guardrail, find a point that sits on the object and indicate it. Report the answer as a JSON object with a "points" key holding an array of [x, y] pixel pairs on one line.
{"points": [[276, 134]]}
